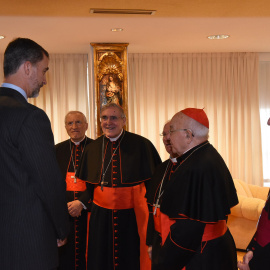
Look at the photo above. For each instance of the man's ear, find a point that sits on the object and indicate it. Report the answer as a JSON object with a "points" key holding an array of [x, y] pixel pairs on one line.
{"points": [[27, 66], [125, 121], [189, 136]]}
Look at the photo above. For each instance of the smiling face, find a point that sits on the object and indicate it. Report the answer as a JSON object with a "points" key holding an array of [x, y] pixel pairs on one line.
{"points": [[76, 126], [112, 122]]}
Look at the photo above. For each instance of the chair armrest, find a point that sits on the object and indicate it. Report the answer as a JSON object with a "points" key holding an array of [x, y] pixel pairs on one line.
{"points": [[249, 208], [259, 192]]}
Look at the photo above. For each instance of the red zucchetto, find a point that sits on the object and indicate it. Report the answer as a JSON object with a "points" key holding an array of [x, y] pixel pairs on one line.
{"points": [[198, 115]]}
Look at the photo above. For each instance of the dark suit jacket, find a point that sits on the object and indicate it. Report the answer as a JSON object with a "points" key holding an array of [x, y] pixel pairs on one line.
{"points": [[33, 206]]}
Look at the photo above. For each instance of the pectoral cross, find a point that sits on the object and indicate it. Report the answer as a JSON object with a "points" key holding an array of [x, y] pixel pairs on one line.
{"points": [[156, 206], [102, 182], [75, 179]]}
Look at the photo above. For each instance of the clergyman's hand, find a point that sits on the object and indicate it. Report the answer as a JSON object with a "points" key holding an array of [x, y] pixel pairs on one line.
{"points": [[60, 242], [75, 208], [149, 250], [246, 259]]}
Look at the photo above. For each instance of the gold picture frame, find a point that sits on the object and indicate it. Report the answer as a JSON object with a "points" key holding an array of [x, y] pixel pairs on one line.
{"points": [[110, 71]]}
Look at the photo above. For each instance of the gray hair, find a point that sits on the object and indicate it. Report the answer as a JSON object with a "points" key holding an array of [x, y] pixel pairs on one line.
{"points": [[198, 130], [74, 112], [113, 105]]}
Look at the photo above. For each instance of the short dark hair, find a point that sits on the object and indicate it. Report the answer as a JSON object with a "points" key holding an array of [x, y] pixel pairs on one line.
{"points": [[20, 50]]}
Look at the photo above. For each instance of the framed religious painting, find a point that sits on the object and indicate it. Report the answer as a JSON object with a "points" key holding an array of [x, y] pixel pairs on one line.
{"points": [[110, 69]]}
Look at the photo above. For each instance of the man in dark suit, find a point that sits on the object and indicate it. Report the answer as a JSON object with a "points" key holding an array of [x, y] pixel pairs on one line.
{"points": [[33, 210]]}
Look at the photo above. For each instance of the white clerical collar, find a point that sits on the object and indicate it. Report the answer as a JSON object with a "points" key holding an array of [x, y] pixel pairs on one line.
{"points": [[15, 87], [77, 143], [116, 138], [173, 159]]}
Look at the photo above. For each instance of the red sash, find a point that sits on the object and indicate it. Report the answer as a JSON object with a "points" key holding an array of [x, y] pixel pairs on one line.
{"points": [[115, 198], [212, 230], [71, 186], [127, 198], [162, 224]]}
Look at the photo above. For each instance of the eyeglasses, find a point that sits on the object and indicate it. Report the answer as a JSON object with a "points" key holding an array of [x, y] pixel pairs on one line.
{"points": [[164, 134], [77, 123], [112, 118], [182, 129]]}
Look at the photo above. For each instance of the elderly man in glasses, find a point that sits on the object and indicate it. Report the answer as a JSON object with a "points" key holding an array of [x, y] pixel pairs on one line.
{"points": [[118, 166], [72, 256], [160, 177], [190, 207]]}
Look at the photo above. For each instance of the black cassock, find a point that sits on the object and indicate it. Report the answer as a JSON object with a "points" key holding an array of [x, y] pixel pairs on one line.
{"points": [[197, 194], [72, 256], [119, 211]]}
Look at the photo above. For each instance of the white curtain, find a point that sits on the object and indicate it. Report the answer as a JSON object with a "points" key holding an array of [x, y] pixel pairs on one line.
{"points": [[225, 84], [264, 90], [66, 90], [92, 95]]}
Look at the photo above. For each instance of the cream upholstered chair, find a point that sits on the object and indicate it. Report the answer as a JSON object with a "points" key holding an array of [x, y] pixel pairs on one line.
{"points": [[243, 219]]}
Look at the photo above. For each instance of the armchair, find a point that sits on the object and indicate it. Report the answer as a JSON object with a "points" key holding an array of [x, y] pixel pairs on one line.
{"points": [[243, 219]]}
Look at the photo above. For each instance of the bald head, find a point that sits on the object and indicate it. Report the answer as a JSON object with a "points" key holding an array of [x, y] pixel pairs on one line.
{"points": [[186, 133], [198, 130]]}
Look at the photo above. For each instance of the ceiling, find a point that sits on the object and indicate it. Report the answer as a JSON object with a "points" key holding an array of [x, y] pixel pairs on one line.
{"points": [[178, 26]]}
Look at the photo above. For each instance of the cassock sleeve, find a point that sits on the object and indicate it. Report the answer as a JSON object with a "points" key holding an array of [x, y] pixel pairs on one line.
{"points": [[87, 196], [183, 241]]}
